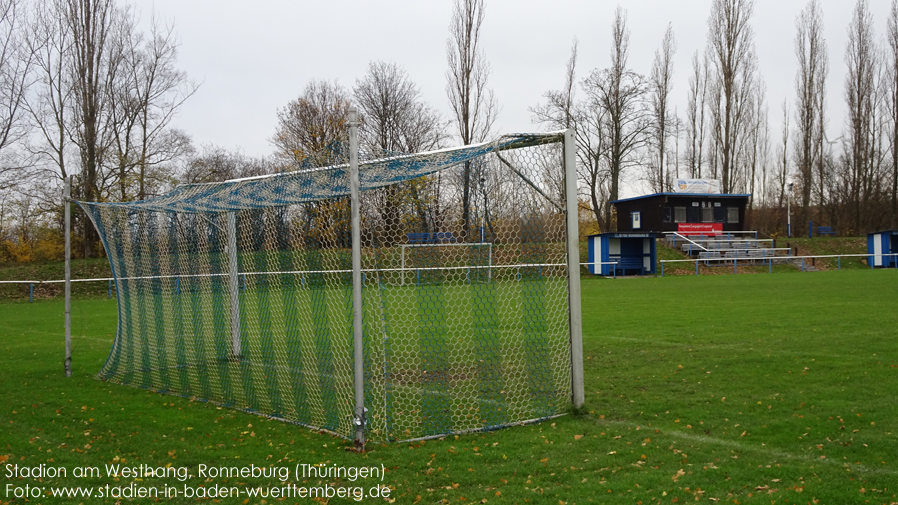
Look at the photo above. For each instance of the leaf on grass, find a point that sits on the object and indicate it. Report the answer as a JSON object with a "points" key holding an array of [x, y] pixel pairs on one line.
{"points": [[679, 474], [578, 437]]}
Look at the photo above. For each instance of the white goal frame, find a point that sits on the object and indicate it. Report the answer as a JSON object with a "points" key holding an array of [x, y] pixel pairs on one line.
{"points": [[489, 265]]}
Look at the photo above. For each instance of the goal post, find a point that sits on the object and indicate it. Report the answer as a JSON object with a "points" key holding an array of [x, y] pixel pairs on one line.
{"points": [[286, 294], [573, 260]]}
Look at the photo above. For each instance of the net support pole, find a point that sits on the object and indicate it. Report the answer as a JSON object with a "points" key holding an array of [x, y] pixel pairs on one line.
{"points": [[66, 198], [233, 284], [357, 348], [573, 267]]}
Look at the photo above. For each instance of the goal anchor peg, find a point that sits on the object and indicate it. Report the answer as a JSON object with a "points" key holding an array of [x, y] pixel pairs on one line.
{"points": [[360, 421]]}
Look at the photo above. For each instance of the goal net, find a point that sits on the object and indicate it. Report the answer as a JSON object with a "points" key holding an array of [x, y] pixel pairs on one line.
{"points": [[241, 292]]}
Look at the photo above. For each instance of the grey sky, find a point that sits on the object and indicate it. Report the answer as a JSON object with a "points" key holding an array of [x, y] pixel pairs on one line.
{"points": [[255, 57]]}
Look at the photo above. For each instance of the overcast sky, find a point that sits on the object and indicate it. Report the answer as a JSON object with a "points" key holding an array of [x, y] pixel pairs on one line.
{"points": [[252, 58]]}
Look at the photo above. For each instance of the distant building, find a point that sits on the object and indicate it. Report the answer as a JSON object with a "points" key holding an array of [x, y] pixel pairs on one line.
{"points": [[687, 213]]}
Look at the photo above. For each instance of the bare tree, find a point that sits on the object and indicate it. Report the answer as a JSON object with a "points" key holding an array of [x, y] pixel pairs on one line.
{"points": [[754, 151], [734, 66], [93, 27], [861, 99], [618, 93], [695, 115], [810, 90], [561, 110], [311, 128], [783, 172], [473, 104], [660, 85], [215, 164], [15, 63], [891, 103], [311, 132], [394, 116], [145, 97], [50, 105], [395, 119]]}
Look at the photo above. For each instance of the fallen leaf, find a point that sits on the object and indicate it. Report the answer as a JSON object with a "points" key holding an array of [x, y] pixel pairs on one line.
{"points": [[578, 437], [679, 474]]}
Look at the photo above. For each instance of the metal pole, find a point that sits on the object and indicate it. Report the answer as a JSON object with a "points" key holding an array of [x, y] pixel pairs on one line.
{"points": [[789, 216], [573, 267], [66, 198], [358, 349], [233, 284]]}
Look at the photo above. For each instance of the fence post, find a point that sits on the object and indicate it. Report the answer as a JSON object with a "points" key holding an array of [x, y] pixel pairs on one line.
{"points": [[30, 292], [358, 348], [109, 292], [840, 263]]}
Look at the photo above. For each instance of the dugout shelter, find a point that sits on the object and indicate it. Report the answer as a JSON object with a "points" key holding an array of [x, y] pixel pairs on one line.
{"points": [[622, 253], [879, 245]]}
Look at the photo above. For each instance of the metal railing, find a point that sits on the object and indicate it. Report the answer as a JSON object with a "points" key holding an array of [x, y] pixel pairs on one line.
{"points": [[771, 259], [31, 284]]}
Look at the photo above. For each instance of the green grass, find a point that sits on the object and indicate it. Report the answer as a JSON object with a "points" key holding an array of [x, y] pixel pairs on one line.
{"points": [[827, 245], [745, 389]]}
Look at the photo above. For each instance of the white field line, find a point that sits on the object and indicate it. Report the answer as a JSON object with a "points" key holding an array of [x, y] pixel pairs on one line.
{"points": [[757, 449], [745, 346]]}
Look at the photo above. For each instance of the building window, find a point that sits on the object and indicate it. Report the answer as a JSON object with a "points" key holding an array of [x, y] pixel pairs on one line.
{"points": [[708, 215], [733, 215], [679, 214], [636, 219], [667, 215]]}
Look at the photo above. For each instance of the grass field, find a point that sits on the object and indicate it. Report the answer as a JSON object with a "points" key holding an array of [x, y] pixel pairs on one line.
{"points": [[730, 389]]}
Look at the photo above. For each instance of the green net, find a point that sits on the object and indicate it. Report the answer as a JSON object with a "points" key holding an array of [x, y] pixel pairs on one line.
{"points": [[240, 293]]}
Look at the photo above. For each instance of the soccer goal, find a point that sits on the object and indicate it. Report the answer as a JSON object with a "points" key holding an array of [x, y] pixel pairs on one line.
{"points": [[292, 295]]}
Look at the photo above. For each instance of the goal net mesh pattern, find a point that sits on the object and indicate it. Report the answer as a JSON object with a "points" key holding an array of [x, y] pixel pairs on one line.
{"points": [[240, 293]]}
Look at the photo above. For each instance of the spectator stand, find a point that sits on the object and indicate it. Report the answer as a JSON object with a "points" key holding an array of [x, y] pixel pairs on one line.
{"points": [[734, 246]]}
